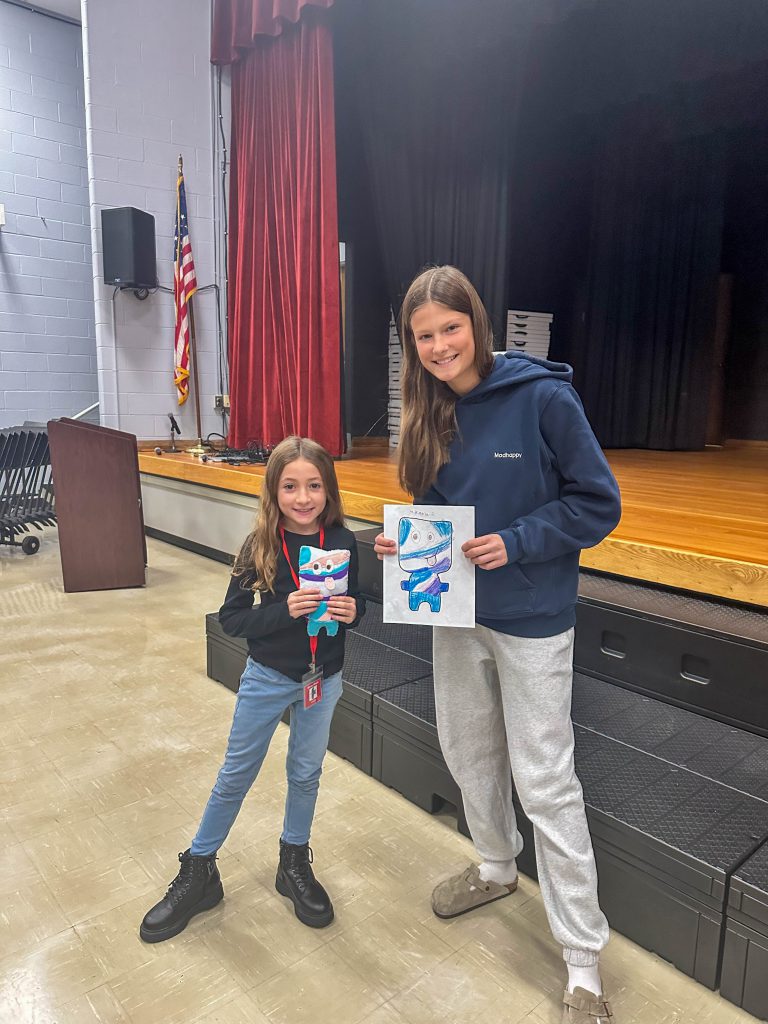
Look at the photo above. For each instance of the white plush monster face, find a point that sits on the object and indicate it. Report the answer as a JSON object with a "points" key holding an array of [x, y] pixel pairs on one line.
{"points": [[423, 544], [327, 571]]}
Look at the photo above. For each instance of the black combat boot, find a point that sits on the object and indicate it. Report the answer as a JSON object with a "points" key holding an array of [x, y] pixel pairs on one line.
{"points": [[296, 880], [196, 887]]}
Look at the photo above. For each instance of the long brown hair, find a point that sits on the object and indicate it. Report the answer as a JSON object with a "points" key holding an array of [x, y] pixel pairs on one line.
{"points": [[429, 413], [261, 548]]}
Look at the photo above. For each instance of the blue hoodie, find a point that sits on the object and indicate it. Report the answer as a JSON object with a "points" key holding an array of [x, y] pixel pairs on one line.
{"points": [[526, 458]]}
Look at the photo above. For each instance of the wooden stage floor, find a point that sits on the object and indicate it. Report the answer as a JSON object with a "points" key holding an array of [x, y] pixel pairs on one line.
{"points": [[691, 520]]}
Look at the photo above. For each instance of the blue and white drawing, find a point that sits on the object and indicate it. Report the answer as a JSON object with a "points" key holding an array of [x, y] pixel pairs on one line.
{"points": [[424, 551], [328, 572]]}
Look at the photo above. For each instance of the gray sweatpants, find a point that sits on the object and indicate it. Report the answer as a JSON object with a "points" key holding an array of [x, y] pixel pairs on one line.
{"points": [[504, 702]]}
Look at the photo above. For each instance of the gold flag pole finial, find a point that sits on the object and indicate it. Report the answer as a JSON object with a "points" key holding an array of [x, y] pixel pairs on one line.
{"points": [[181, 165]]}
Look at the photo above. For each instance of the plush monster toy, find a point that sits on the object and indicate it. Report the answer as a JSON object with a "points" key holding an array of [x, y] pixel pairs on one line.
{"points": [[326, 571]]}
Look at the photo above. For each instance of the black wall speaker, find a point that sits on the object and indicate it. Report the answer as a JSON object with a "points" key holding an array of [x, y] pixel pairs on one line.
{"points": [[128, 243]]}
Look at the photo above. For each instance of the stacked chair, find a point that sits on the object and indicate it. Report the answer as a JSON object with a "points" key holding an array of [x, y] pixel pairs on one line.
{"points": [[26, 489]]}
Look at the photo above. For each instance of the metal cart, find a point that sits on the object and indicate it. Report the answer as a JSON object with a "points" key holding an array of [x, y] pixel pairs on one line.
{"points": [[26, 487]]}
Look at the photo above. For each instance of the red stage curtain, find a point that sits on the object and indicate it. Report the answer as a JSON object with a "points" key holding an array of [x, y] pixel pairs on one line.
{"points": [[237, 23], [284, 309]]}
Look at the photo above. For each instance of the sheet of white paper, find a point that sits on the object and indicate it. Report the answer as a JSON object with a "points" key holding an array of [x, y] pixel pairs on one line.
{"points": [[429, 581]]}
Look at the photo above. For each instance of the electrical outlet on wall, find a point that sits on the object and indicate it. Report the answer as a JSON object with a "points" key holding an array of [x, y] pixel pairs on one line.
{"points": [[221, 401]]}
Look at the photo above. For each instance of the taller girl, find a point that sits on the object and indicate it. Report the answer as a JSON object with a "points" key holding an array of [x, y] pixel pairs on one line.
{"points": [[508, 435]]}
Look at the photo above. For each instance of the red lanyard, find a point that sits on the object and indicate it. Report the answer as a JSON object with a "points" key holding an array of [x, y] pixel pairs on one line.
{"points": [[312, 639]]}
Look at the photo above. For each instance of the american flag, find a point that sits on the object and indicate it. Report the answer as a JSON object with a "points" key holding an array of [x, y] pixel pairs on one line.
{"points": [[184, 287]]}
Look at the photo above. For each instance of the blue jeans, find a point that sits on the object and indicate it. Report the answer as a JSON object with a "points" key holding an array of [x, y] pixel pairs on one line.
{"points": [[263, 696]]}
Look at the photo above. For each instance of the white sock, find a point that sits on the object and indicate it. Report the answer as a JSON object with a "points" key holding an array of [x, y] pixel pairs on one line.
{"points": [[502, 872], [585, 977]]}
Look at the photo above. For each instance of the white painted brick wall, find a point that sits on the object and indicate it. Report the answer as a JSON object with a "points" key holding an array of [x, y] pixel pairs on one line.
{"points": [[148, 98], [47, 333]]}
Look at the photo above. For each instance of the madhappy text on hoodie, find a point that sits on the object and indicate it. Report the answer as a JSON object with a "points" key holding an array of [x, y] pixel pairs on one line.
{"points": [[525, 456]]}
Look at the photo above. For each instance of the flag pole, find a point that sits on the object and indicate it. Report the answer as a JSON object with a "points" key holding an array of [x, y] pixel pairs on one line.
{"points": [[200, 448]]}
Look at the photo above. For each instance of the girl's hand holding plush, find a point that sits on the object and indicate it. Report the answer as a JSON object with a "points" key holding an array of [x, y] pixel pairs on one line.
{"points": [[384, 546], [303, 602], [342, 609], [486, 552]]}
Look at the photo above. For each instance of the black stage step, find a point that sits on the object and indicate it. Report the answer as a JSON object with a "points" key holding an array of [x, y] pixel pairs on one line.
{"points": [[226, 655], [705, 655], [666, 841], [718, 618], [666, 838], [717, 751], [406, 751], [370, 667], [415, 640], [745, 954]]}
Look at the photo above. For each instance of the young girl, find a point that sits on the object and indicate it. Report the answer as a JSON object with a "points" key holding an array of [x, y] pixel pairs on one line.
{"points": [[508, 435], [300, 504]]}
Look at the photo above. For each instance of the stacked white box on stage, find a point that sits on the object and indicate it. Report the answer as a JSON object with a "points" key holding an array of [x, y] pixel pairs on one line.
{"points": [[395, 362], [528, 332]]}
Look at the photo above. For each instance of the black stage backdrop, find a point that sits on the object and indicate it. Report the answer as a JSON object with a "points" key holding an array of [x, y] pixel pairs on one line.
{"points": [[644, 345], [579, 166], [745, 256], [631, 151], [433, 88], [436, 95]]}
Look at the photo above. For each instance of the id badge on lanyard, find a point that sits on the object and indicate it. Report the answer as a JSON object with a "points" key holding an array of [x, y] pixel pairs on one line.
{"points": [[312, 680]]}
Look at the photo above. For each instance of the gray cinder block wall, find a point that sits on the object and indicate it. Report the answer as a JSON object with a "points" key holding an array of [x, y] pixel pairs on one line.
{"points": [[132, 100], [148, 97], [47, 334]]}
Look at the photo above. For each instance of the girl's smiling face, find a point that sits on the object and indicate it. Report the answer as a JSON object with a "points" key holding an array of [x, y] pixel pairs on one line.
{"points": [[301, 497], [445, 344]]}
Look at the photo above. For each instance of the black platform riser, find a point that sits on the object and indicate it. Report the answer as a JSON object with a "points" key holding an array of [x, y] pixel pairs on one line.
{"points": [[225, 664], [706, 674], [352, 737], [744, 977], [414, 770], [659, 918], [644, 881]]}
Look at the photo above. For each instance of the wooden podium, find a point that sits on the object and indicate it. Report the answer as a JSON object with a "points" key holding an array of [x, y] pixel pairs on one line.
{"points": [[98, 506]]}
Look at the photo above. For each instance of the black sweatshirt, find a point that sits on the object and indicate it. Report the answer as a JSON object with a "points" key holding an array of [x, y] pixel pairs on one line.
{"points": [[274, 638]]}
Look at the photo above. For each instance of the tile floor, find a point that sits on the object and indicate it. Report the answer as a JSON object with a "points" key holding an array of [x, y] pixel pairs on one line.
{"points": [[110, 738]]}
